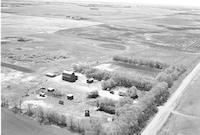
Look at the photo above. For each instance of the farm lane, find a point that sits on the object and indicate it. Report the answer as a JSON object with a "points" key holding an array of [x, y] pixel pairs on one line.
{"points": [[161, 117]]}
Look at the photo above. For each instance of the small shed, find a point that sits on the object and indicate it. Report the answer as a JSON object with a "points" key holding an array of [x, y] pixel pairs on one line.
{"points": [[61, 102], [50, 74], [70, 96], [42, 94], [87, 113], [69, 76], [50, 89]]}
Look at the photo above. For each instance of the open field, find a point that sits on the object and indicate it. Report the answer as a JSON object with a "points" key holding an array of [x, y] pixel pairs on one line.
{"points": [[40, 37]]}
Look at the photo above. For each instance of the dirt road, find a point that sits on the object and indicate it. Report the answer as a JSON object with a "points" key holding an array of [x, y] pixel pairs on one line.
{"points": [[161, 117]]}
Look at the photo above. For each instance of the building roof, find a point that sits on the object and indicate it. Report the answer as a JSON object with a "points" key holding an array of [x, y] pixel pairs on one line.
{"points": [[67, 72], [70, 95], [50, 74], [50, 88]]}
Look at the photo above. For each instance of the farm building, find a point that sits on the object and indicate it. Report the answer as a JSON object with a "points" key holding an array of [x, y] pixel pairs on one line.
{"points": [[69, 76], [50, 89], [50, 74], [70, 96]]}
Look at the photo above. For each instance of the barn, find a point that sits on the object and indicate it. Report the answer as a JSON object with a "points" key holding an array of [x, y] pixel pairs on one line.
{"points": [[69, 76]]}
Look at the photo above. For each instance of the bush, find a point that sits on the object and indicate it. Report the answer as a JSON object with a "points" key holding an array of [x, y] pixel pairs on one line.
{"points": [[30, 111], [132, 92], [124, 101], [163, 77], [58, 93], [98, 74], [4, 102], [93, 94], [81, 68], [92, 72], [122, 93], [175, 71], [106, 105], [40, 114]]}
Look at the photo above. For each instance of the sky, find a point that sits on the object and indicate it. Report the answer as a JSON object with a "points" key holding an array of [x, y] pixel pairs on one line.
{"points": [[185, 3]]}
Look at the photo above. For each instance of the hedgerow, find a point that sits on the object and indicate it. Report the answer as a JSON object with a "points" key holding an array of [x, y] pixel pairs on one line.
{"points": [[91, 72], [128, 81], [170, 74], [140, 62], [113, 79], [131, 118]]}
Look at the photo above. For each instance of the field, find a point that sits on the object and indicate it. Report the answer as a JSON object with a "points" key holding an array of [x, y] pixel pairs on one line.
{"points": [[40, 37], [185, 119]]}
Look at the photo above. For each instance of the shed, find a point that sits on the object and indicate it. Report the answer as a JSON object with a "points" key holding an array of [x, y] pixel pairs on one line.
{"points": [[70, 96], [50, 74], [61, 102], [42, 94], [50, 89], [87, 113]]}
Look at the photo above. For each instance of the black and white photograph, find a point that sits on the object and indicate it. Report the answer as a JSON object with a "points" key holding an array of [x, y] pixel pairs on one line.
{"points": [[100, 67]]}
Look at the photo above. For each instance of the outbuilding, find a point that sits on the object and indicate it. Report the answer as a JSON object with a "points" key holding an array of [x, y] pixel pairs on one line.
{"points": [[69, 76], [61, 102], [87, 113], [70, 96], [50, 89], [42, 94], [50, 74]]}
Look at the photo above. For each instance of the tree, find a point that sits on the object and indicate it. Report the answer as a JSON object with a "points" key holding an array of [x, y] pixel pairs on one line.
{"points": [[132, 92], [93, 94], [163, 77]]}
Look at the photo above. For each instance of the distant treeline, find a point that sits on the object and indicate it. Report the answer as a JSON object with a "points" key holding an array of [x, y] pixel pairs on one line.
{"points": [[140, 62], [169, 73]]}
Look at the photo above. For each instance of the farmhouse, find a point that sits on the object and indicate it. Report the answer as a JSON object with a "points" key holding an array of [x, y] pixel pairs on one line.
{"points": [[69, 76]]}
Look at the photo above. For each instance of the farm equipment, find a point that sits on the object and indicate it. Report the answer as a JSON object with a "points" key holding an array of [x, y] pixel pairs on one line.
{"points": [[90, 80]]}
